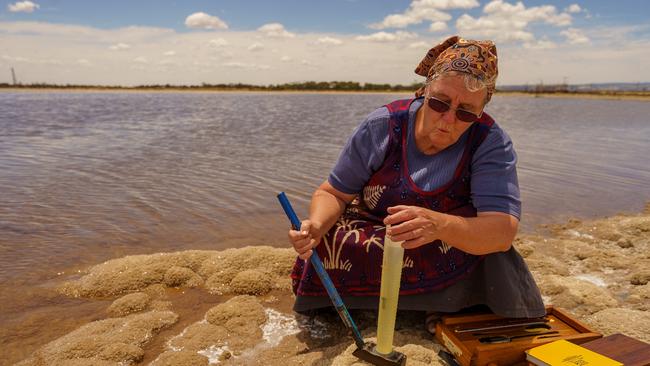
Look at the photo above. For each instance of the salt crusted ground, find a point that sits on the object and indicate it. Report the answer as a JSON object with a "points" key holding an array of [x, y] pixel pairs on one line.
{"points": [[598, 270]]}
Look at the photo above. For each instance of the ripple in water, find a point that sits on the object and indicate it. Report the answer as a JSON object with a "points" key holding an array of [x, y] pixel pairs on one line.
{"points": [[91, 176]]}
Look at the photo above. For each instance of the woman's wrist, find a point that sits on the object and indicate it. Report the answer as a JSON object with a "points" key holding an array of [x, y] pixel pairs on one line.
{"points": [[449, 226], [317, 227]]}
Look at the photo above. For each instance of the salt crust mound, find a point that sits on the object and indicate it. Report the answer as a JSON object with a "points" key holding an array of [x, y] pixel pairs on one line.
{"points": [[251, 282], [181, 276], [640, 278], [104, 342], [596, 270], [575, 294], [640, 297], [131, 303], [245, 308], [177, 358], [633, 323], [221, 268], [234, 324], [132, 273], [418, 352], [215, 270]]}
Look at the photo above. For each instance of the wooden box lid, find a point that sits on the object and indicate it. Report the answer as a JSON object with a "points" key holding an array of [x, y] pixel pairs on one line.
{"points": [[624, 349], [473, 337]]}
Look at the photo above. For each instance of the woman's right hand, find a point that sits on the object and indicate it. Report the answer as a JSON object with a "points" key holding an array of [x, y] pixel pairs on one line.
{"points": [[303, 241], [327, 205]]}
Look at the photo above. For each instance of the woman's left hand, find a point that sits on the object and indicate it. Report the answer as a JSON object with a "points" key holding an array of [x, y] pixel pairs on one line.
{"points": [[414, 225]]}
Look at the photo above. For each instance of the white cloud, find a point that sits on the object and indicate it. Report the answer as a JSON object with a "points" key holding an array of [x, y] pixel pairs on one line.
{"points": [[505, 22], [83, 62], [119, 47], [421, 10], [421, 45], [33, 61], [23, 7], [167, 62], [48, 52], [275, 30], [76, 33], [540, 44], [141, 60], [237, 64], [575, 36], [329, 40], [244, 65], [437, 27], [447, 4], [42, 29], [219, 42], [544, 13], [489, 28], [615, 35], [14, 58], [255, 47], [169, 53], [411, 17], [307, 63], [202, 20], [128, 35], [387, 37], [573, 8]]}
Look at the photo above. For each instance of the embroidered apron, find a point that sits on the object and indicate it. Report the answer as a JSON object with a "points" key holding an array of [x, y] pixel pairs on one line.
{"points": [[352, 250]]}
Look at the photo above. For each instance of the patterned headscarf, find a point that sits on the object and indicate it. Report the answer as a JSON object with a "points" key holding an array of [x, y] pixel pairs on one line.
{"points": [[478, 58]]}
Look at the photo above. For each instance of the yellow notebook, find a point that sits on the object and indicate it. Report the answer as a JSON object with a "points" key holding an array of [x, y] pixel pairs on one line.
{"points": [[565, 353]]}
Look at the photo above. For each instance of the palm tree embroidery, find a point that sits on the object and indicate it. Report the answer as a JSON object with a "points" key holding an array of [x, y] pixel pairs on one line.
{"points": [[372, 194], [408, 262], [333, 259], [444, 247], [373, 239]]}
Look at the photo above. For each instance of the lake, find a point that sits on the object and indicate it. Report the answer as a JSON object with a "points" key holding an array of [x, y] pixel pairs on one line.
{"points": [[86, 177]]}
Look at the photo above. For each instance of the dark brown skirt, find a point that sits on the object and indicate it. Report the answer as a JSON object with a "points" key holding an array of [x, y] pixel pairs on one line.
{"points": [[501, 281]]}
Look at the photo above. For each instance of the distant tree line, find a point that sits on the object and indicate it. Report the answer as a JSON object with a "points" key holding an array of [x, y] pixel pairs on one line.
{"points": [[640, 89], [297, 86]]}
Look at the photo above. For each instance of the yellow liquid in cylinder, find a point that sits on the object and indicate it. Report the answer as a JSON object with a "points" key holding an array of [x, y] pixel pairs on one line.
{"points": [[391, 274]]}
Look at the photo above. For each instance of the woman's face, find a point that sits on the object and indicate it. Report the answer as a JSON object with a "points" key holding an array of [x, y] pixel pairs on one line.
{"points": [[436, 131]]}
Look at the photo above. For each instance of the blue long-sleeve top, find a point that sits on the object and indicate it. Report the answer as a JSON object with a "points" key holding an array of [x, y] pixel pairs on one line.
{"points": [[494, 184]]}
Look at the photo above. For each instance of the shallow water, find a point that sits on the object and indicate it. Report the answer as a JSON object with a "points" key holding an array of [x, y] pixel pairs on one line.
{"points": [[90, 176]]}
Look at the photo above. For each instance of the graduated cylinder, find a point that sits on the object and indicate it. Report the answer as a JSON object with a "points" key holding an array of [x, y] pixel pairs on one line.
{"points": [[391, 274]]}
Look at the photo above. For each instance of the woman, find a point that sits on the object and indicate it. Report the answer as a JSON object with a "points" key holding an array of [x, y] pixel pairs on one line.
{"points": [[442, 173]]}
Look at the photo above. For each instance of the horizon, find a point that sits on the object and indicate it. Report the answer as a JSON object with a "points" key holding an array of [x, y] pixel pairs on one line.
{"points": [[367, 41], [644, 84]]}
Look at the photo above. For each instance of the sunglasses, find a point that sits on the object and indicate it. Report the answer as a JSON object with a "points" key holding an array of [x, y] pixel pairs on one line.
{"points": [[442, 107]]}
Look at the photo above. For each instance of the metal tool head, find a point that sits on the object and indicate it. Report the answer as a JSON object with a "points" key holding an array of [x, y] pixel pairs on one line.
{"points": [[370, 355]]}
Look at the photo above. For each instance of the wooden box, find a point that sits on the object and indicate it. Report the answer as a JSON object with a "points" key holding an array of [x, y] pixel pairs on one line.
{"points": [[483, 339], [624, 349]]}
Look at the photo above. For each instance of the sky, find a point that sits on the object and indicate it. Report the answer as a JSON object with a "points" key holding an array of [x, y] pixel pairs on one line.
{"points": [[189, 42]]}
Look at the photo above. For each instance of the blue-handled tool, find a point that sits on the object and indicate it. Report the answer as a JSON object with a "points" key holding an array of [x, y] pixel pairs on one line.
{"points": [[364, 351]]}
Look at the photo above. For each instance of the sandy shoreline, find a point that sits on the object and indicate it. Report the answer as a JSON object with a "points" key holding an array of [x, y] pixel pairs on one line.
{"points": [[582, 95], [233, 307], [579, 95]]}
